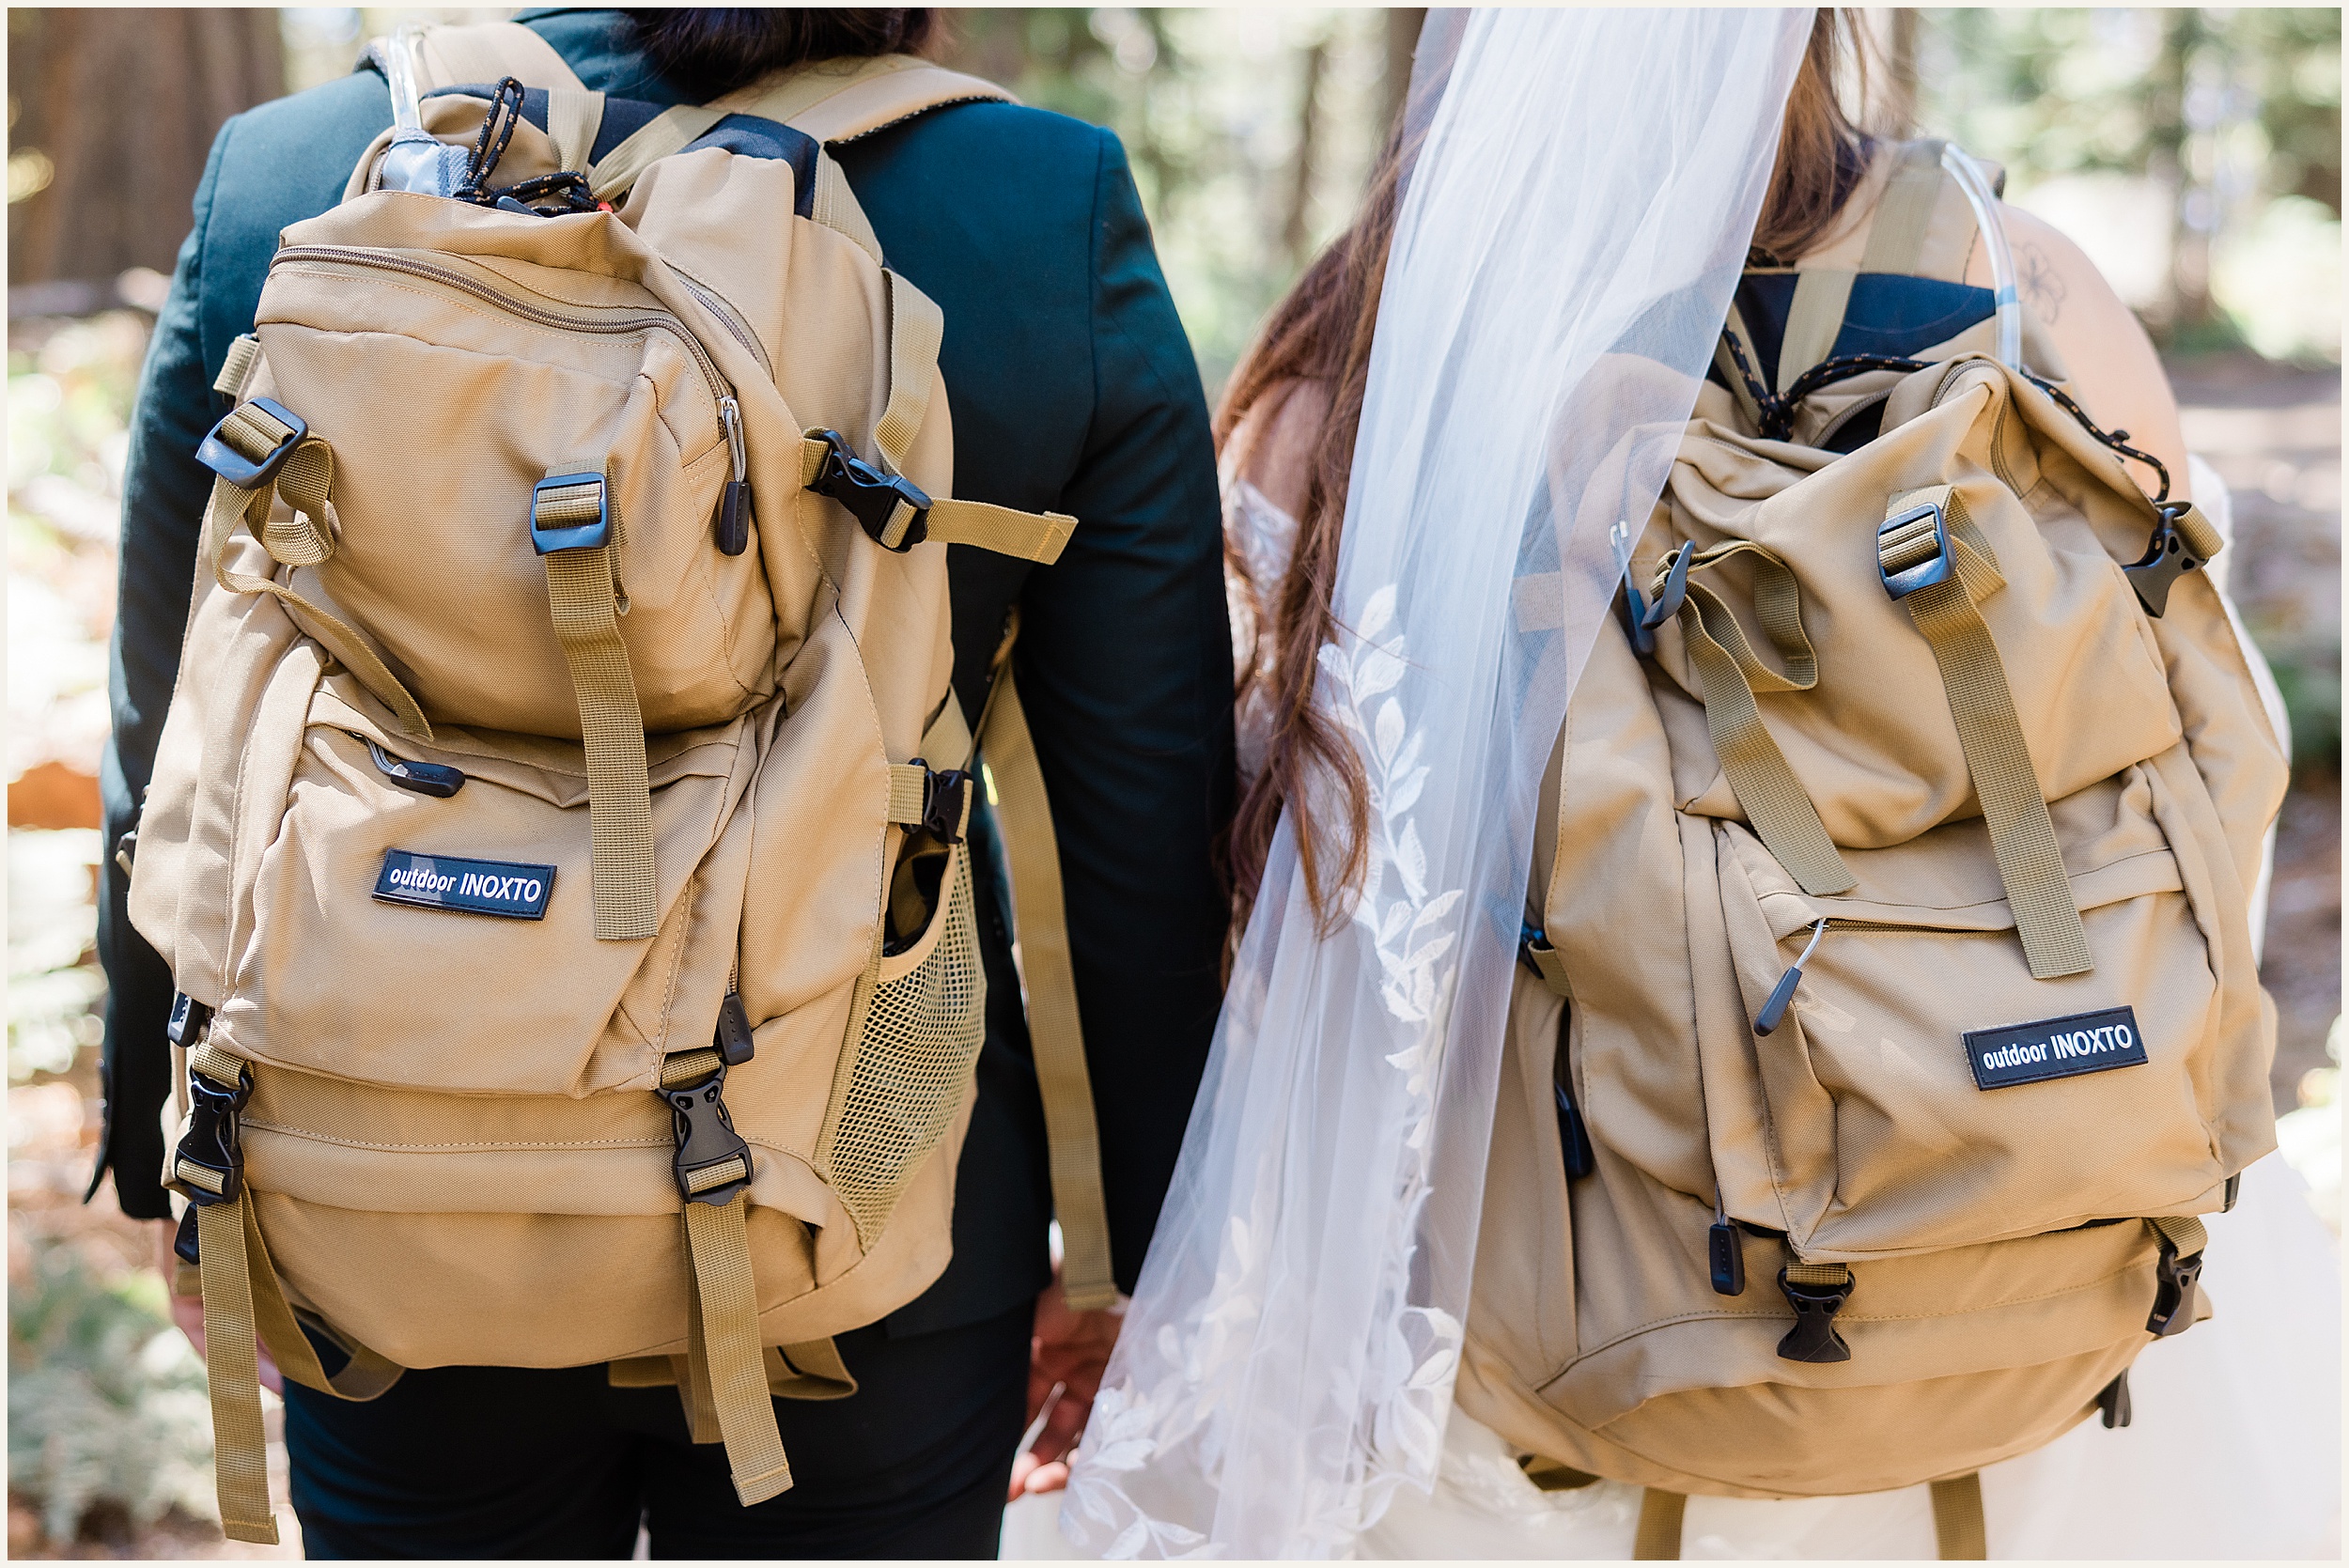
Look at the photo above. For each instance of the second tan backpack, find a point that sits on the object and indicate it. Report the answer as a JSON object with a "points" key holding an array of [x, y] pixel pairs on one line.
{"points": [[1890, 1014]]}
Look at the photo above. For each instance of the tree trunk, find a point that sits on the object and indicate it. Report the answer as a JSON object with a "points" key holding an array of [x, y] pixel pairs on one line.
{"points": [[1295, 231], [123, 105], [1403, 26]]}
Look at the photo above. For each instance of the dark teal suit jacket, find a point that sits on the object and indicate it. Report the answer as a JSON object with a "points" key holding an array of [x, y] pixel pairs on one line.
{"points": [[1073, 389]]}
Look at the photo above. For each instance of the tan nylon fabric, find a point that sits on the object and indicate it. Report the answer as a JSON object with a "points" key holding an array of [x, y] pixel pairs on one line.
{"points": [[574, 116], [232, 1369], [1063, 1077], [501, 1142], [1964, 1219], [238, 364], [727, 1318], [838, 100], [1657, 1537], [585, 601], [1958, 1529], [2030, 864], [668, 131], [916, 327], [907, 786]]}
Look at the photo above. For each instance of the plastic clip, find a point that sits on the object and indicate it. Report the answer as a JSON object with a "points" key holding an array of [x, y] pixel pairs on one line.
{"points": [[2167, 558], [707, 1144], [220, 451], [945, 802], [871, 497], [1675, 590], [1904, 561], [207, 1167], [1814, 1337], [2175, 1281]]}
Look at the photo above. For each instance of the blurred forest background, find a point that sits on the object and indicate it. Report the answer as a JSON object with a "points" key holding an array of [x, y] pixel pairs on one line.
{"points": [[2195, 154]]}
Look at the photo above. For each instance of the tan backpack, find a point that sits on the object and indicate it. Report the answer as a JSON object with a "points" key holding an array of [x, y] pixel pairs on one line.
{"points": [[557, 835], [1892, 1012]]}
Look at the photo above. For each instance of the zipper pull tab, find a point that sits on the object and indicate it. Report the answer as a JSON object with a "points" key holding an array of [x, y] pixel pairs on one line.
{"points": [[1783, 994], [1725, 1251], [734, 507]]}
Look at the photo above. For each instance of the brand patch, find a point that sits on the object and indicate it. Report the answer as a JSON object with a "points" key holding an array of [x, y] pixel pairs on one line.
{"points": [[2055, 1048], [515, 891]]}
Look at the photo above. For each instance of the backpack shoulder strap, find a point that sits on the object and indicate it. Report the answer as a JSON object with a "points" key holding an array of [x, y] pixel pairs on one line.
{"points": [[839, 100], [487, 51]]}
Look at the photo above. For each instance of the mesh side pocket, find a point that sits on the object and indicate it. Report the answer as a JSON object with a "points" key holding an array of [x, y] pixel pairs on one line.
{"points": [[912, 1065]]}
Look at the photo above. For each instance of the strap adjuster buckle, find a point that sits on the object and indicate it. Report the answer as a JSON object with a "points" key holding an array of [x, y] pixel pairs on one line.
{"points": [[1813, 1339], [569, 511], [2175, 1281], [220, 451], [712, 1161], [2167, 558], [946, 800], [1913, 551], [211, 1146], [871, 497]]}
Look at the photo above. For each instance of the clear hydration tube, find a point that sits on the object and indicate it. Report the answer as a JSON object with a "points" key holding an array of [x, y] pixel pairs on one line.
{"points": [[417, 160], [1976, 185]]}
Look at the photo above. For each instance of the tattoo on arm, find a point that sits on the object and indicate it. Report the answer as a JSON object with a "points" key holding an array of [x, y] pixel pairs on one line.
{"points": [[2040, 283]]}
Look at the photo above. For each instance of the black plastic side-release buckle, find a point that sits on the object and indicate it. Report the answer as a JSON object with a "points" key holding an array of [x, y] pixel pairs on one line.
{"points": [[219, 451], [1913, 551], [1813, 1337], [707, 1144], [945, 798], [2113, 1399], [871, 496], [2175, 1281], [2167, 558], [213, 1146]]}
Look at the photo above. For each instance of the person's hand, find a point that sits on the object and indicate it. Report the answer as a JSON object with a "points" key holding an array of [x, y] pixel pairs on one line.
{"points": [[1066, 1357], [188, 1310]]}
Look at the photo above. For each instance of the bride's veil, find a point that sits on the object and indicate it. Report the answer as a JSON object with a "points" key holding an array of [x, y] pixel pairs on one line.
{"points": [[1562, 262]]}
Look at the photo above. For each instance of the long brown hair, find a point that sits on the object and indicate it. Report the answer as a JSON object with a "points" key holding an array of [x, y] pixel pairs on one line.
{"points": [[1320, 333]]}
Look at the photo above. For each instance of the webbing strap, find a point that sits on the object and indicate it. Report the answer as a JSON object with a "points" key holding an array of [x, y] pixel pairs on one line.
{"points": [[2184, 1232], [1896, 234], [1658, 1537], [574, 116], [908, 786], [2047, 915], [810, 1370], [1037, 536], [664, 133], [231, 506], [1832, 1275], [243, 350], [1054, 1029], [916, 328], [836, 207], [1814, 317], [1551, 965], [584, 599], [483, 52], [232, 1369], [1957, 1522], [1776, 805], [840, 99], [725, 1334]]}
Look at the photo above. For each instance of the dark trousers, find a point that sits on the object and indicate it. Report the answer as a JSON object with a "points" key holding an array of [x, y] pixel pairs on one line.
{"points": [[510, 1462]]}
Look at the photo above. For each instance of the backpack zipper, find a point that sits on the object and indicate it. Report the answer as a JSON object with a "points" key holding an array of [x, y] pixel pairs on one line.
{"points": [[721, 390], [1782, 995], [728, 318]]}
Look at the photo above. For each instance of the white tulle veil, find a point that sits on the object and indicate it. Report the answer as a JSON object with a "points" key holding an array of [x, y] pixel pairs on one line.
{"points": [[1562, 262]]}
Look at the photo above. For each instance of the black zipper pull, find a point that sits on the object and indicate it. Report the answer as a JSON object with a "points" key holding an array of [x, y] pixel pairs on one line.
{"points": [[436, 779], [733, 1041], [1725, 1251], [1574, 1139], [1783, 994], [734, 507]]}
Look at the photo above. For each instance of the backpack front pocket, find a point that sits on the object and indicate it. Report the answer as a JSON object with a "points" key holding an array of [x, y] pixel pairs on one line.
{"points": [[422, 917], [1924, 1091]]}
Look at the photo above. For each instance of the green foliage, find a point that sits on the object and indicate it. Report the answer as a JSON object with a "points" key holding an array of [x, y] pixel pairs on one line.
{"points": [[2308, 677], [106, 1400]]}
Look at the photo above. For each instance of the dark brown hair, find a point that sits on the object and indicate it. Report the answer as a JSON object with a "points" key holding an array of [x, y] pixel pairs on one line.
{"points": [[707, 52], [1320, 332]]}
